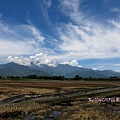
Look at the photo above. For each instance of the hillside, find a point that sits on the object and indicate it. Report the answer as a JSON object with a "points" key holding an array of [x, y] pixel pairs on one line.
{"points": [[13, 69]]}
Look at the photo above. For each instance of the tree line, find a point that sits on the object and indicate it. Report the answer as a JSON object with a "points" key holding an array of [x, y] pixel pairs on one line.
{"points": [[35, 77]]}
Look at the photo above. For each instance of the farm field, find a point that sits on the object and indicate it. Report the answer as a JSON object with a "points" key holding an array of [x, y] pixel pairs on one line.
{"points": [[76, 109]]}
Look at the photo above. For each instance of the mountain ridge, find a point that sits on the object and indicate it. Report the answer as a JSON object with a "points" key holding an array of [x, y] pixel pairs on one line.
{"points": [[14, 69]]}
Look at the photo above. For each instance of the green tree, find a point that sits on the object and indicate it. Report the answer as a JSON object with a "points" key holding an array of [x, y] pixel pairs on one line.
{"points": [[77, 77]]}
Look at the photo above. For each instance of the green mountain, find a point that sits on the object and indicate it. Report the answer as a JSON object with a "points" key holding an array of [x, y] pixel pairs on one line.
{"points": [[13, 69], [85, 73], [71, 71], [59, 70]]}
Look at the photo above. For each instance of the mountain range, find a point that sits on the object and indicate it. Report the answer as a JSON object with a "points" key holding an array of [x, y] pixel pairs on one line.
{"points": [[13, 69]]}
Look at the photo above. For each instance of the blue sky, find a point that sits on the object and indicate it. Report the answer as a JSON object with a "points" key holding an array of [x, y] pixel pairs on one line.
{"points": [[76, 32]]}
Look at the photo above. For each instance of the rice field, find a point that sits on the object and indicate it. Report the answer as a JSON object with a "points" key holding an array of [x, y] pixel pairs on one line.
{"points": [[78, 109]]}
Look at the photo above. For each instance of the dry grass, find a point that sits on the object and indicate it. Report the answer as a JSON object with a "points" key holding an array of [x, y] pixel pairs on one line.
{"points": [[10, 91], [79, 110], [27, 107], [90, 111], [9, 88], [36, 90]]}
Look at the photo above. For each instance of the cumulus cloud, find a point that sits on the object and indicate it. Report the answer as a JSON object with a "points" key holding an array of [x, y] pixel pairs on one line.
{"points": [[38, 60], [72, 63], [19, 60], [41, 58]]}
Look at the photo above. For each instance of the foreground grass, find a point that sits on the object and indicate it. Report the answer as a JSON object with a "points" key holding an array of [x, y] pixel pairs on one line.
{"points": [[79, 109], [19, 111], [91, 111]]}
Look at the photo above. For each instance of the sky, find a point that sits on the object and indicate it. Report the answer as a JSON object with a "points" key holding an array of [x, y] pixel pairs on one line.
{"points": [[83, 33]]}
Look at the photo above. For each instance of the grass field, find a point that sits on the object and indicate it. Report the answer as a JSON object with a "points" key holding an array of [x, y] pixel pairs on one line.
{"points": [[80, 109]]}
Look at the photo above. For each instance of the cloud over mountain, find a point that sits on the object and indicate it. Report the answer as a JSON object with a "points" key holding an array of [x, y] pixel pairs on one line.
{"points": [[62, 30], [72, 63], [38, 60]]}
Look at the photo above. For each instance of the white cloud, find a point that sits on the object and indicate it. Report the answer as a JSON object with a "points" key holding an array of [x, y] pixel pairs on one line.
{"points": [[85, 38], [20, 40], [15, 47], [19, 60], [45, 6], [48, 3], [38, 59], [70, 5], [72, 63], [80, 43], [73, 9], [30, 31], [115, 9], [82, 38], [117, 65], [99, 68], [80, 66], [115, 24], [41, 58]]}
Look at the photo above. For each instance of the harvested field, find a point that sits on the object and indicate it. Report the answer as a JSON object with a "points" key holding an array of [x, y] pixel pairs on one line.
{"points": [[9, 88], [78, 109]]}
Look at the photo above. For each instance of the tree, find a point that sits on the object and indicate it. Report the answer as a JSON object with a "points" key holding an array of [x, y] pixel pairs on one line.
{"points": [[32, 76], [77, 77], [0, 77]]}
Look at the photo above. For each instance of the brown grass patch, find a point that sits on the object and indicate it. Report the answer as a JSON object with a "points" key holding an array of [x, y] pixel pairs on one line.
{"points": [[79, 110]]}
